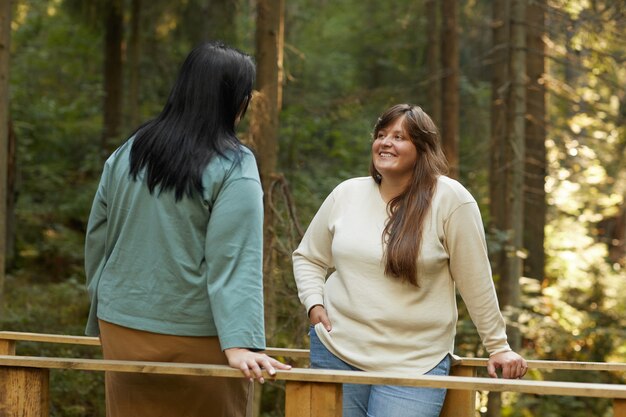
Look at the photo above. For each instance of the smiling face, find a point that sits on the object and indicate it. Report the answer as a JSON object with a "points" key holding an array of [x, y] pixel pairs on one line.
{"points": [[393, 153]]}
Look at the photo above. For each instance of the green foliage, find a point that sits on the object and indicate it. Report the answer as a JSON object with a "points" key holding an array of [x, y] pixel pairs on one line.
{"points": [[54, 81]]}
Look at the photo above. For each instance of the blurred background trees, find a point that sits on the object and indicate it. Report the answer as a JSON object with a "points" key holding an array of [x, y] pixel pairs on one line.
{"points": [[530, 96]]}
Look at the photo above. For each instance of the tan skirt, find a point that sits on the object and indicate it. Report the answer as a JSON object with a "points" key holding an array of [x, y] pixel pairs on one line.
{"points": [[139, 395]]}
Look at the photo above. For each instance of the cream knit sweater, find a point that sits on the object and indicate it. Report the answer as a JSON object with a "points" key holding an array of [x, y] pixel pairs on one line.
{"points": [[378, 322]]}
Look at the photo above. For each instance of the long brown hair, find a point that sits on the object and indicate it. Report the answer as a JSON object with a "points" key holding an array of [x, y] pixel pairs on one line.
{"points": [[403, 231]]}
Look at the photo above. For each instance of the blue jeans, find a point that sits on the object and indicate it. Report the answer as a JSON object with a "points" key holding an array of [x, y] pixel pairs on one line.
{"points": [[381, 400]]}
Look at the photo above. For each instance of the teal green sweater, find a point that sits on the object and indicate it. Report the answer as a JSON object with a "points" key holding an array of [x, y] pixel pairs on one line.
{"points": [[192, 267]]}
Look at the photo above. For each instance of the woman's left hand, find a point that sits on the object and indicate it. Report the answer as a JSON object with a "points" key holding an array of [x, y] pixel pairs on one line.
{"points": [[513, 365]]}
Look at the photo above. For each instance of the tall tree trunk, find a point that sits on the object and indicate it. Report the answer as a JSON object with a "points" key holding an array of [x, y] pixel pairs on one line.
{"points": [[269, 45], [450, 84], [617, 236], [11, 197], [371, 69], [515, 159], [5, 54], [264, 137], [499, 93], [114, 29], [222, 22], [433, 103], [133, 63], [535, 194], [211, 20]]}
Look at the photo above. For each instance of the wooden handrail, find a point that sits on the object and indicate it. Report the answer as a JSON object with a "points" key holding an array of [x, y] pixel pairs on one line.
{"points": [[94, 341], [304, 353], [595, 390], [50, 338], [553, 365]]}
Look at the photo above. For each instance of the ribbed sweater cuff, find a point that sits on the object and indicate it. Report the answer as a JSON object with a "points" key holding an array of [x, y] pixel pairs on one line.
{"points": [[313, 300]]}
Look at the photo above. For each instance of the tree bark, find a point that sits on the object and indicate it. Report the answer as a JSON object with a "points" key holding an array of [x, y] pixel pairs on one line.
{"points": [[433, 103], [515, 158], [11, 198], [133, 64], [499, 92], [264, 129], [511, 209], [114, 29], [534, 188], [263, 137], [450, 84], [211, 20], [499, 89], [5, 55], [222, 22]]}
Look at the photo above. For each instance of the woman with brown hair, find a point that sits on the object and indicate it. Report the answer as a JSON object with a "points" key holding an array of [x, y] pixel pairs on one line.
{"points": [[401, 241]]}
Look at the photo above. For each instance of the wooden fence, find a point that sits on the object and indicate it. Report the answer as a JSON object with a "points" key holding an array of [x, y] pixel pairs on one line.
{"points": [[309, 393]]}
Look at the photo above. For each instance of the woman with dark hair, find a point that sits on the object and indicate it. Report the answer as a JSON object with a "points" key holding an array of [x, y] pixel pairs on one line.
{"points": [[173, 252], [400, 242]]}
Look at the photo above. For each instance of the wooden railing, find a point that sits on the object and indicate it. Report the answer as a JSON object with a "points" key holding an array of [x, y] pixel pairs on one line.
{"points": [[309, 393]]}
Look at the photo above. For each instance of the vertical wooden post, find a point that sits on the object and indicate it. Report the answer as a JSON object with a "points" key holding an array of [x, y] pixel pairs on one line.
{"points": [[24, 392], [7, 347], [460, 403], [309, 399], [297, 399], [619, 407]]}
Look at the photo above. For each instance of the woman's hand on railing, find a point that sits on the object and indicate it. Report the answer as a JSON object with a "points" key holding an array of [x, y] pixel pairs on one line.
{"points": [[513, 365], [251, 363], [317, 314]]}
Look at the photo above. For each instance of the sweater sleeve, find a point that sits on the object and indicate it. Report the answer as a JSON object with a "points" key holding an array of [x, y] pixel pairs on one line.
{"points": [[471, 271], [234, 254], [313, 257], [95, 251]]}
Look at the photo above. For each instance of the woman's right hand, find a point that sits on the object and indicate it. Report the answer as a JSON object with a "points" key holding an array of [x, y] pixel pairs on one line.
{"points": [[251, 363], [317, 314]]}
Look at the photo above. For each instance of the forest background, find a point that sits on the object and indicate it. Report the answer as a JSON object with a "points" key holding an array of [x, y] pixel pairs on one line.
{"points": [[530, 97]]}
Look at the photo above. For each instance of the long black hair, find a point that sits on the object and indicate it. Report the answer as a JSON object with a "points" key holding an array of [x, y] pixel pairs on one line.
{"points": [[212, 91]]}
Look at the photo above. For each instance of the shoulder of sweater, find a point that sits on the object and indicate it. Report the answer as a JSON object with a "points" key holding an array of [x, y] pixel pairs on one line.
{"points": [[235, 165], [247, 164], [450, 196], [353, 185], [451, 190], [247, 154], [232, 165], [118, 163], [122, 152]]}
